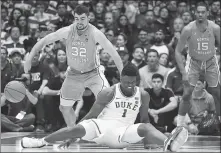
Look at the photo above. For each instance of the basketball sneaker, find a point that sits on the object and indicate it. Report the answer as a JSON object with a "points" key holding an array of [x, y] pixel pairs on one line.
{"points": [[32, 142], [176, 139]]}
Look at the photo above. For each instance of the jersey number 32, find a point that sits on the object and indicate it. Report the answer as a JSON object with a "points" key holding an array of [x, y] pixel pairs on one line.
{"points": [[79, 52]]}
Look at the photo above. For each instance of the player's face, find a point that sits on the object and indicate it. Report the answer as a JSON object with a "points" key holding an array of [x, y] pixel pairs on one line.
{"points": [[81, 21], [157, 84], [128, 83], [201, 13]]}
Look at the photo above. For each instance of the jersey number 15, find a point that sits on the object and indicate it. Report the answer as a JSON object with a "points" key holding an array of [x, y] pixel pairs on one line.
{"points": [[202, 46]]}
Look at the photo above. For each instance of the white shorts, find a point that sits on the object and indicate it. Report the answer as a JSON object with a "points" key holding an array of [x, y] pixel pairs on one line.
{"points": [[111, 133]]}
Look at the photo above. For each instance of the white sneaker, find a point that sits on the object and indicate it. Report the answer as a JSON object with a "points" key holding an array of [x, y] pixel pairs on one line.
{"points": [[32, 143], [176, 140]]}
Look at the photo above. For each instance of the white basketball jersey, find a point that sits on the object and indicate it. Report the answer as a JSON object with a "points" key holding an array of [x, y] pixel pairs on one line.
{"points": [[122, 108]]}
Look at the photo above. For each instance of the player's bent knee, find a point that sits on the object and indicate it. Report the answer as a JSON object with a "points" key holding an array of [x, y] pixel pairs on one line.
{"points": [[65, 109], [141, 130]]}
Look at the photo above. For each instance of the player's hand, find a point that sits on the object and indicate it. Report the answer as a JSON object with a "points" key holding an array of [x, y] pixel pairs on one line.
{"points": [[27, 66], [66, 144], [193, 129]]}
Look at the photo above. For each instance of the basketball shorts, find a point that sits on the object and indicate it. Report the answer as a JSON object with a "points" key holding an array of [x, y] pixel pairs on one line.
{"points": [[74, 86], [209, 69], [111, 133]]}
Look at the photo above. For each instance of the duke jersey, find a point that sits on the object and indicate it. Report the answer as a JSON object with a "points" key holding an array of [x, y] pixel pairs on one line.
{"points": [[201, 44], [122, 108], [82, 54]]}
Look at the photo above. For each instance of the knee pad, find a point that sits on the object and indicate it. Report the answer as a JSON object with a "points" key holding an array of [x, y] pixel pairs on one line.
{"points": [[64, 109]]}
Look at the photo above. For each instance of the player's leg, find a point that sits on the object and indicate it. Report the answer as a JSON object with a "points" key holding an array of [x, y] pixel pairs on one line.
{"points": [[212, 77], [96, 82], [72, 90], [151, 135], [193, 76], [85, 130]]}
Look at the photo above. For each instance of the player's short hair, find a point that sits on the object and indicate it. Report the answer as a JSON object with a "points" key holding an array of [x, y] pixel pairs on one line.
{"points": [[81, 9], [201, 3], [129, 70], [157, 75]]}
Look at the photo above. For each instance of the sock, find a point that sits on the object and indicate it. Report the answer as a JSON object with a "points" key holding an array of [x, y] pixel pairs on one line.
{"points": [[44, 142], [180, 120]]}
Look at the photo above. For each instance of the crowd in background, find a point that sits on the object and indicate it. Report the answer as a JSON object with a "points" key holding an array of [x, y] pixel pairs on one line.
{"points": [[144, 33]]}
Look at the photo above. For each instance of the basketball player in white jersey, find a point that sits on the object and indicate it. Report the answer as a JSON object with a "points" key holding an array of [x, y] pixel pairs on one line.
{"points": [[82, 39], [110, 121], [201, 36]]}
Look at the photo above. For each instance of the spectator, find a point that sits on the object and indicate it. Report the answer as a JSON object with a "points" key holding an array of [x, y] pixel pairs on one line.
{"points": [[143, 40], [51, 91], [40, 17], [40, 75], [123, 25], [215, 7], [12, 122], [93, 19], [138, 57], [16, 12], [163, 59], [99, 14], [176, 31], [163, 21], [109, 33], [6, 68], [151, 68], [4, 17], [156, 11], [150, 25], [162, 105], [202, 105], [182, 7], [109, 22], [160, 46], [172, 8], [121, 40], [22, 23], [104, 58], [120, 6], [187, 17], [15, 42], [63, 17], [115, 11], [140, 18], [124, 54], [174, 80], [17, 65]]}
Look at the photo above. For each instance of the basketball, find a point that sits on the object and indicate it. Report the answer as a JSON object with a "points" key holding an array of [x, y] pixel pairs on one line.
{"points": [[15, 91]]}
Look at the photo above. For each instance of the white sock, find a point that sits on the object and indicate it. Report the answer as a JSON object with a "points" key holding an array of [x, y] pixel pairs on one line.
{"points": [[44, 142], [180, 120]]}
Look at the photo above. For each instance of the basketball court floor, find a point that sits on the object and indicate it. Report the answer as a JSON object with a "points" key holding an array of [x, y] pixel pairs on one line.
{"points": [[10, 143]]}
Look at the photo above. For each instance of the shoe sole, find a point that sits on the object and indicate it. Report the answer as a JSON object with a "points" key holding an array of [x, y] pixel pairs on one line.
{"points": [[170, 138], [175, 145]]}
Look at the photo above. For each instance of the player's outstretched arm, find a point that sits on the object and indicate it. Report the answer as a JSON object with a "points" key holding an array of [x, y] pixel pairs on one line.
{"points": [[179, 48], [48, 39], [107, 46], [145, 98], [216, 30], [103, 98]]}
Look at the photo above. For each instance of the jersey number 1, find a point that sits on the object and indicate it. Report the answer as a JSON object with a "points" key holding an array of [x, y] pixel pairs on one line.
{"points": [[202, 46], [124, 113]]}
